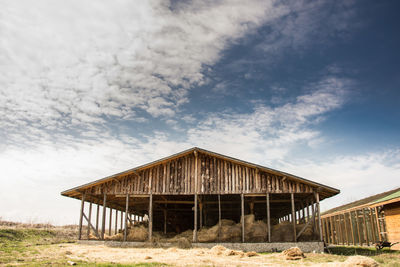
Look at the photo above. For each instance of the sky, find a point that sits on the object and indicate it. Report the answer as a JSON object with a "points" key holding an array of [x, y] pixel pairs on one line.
{"points": [[93, 88]]}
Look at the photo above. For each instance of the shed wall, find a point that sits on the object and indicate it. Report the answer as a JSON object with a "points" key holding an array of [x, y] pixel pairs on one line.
{"points": [[392, 214]]}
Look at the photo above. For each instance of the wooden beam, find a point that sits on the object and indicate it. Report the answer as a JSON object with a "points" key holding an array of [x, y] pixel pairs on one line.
{"points": [[126, 216], [332, 230], [373, 228], [378, 223], [110, 221], [365, 227], [345, 229], [321, 238], [268, 218], [103, 229], [97, 217], [195, 219], [242, 208], [122, 220], [302, 230], [293, 217], [90, 225], [116, 222], [81, 215], [351, 228], [358, 229], [90, 217], [151, 218]]}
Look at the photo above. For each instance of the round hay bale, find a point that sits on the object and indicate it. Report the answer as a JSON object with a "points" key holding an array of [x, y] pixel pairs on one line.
{"points": [[231, 233], [282, 232], [217, 250], [293, 253], [184, 243], [360, 261]]}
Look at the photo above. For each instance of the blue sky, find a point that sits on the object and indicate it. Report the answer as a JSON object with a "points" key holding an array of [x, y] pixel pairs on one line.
{"points": [[88, 90]]}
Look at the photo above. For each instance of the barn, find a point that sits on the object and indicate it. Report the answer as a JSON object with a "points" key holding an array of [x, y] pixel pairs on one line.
{"points": [[365, 222], [206, 197]]}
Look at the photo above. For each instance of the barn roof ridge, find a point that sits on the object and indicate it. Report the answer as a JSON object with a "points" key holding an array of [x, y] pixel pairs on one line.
{"points": [[201, 150]]}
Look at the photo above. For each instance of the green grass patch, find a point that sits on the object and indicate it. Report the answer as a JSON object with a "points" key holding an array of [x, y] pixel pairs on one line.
{"points": [[363, 251]]}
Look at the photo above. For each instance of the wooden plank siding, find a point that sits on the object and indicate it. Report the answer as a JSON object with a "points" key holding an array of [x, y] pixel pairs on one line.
{"points": [[215, 176]]}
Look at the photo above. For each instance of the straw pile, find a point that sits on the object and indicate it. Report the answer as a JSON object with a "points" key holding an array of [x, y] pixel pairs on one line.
{"points": [[360, 261], [293, 254]]}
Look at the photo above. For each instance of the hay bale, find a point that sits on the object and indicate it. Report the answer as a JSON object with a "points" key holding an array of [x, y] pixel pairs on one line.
{"points": [[137, 233], [218, 250], [251, 254], [249, 219], [226, 222], [282, 232], [360, 261], [92, 237], [183, 243], [231, 233], [208, 235], [293, 253], [231, 252]]}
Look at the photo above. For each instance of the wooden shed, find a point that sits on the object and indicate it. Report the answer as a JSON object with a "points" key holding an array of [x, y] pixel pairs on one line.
{"points": [[365, 222], [197, 189]]}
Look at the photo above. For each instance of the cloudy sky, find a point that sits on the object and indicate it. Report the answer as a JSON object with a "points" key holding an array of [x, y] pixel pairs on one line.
{"points": [[88, 89]]}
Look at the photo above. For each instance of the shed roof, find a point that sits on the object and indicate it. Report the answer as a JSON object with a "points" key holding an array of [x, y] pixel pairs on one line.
{"points": [[76, 190], [371, 201]]}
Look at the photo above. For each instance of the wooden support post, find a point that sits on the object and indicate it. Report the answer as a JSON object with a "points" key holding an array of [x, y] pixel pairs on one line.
{"points": [[110, 222], [116, 222], [165, 220], [122, 220], [151, 217], [365, 227], [126, 216], [351, 228], [378, 224], [293, 218], [242, 217], [219, 217], [345, 229], [97, 217], [89, 219], [339, 232], [373, 228], [195, 197], [334, 239], [303, 213], [308, 210], [201, 213], [268, 218], [321, 238], [81, 215], [103, 229], [358, 229]]}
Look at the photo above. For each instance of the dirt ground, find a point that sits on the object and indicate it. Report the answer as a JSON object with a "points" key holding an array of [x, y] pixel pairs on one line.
{"points": [[180, 257]]}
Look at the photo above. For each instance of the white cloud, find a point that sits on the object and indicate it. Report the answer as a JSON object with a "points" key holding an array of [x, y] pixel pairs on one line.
{"points": [[67, 63]]}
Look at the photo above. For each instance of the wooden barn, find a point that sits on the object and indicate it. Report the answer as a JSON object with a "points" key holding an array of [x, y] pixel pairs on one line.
{"points": [[198, 190], [365, 222]]}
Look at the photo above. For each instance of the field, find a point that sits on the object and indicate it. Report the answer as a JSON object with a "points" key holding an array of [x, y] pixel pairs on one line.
{"points": [[34, 245]]}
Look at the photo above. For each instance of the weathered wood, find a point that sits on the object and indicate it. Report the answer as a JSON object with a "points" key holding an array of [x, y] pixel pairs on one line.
{"points": [[268, 218], [332, 230], [319, 216], [126, 216], [242, 217], [110, 222], [89, 220], [97, 217], [81, 215], [351, 228], [195, 219], [91, 226], [151, 217], [373, 228], [103, 225], [116, 223], [302, 230], [293, 217], [378, 224], [358, 229], [122, 222], [365, 227]]}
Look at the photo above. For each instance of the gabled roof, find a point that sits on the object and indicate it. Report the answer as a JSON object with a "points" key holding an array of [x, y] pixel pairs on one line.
{"points": [[371, 201], [332, 191]]}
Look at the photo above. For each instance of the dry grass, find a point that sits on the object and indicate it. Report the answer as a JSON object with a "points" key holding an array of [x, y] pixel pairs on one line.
{"points": [[43, 244]]}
